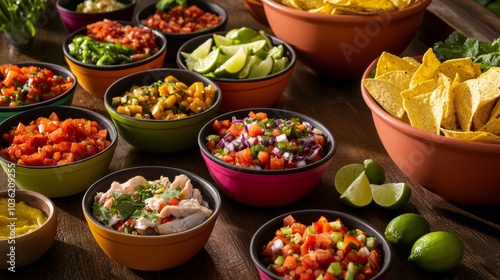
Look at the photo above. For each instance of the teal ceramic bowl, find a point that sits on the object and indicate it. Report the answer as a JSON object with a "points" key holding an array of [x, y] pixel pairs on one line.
{"points": [[61, 180], [63, 99], [160, 136]]}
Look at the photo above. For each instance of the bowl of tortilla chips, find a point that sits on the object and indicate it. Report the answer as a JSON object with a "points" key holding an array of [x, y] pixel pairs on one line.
{"points": [[338, 39], [439, 121]]}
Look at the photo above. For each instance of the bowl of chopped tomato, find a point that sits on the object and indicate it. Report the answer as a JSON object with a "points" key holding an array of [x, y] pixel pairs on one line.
{"points": [[28, 85], [266, 157], [104, 51], [305, 244], [56, 150], [77, 14], [181, 22]]}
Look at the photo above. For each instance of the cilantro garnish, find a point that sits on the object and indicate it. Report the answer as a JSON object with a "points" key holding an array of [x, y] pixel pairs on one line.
{"points": [[125, 205], [457, 45]]}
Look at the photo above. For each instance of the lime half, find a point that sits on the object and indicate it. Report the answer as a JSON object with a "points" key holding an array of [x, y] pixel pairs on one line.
{"points": [[359, 193], [346, 175], [391, 195]]}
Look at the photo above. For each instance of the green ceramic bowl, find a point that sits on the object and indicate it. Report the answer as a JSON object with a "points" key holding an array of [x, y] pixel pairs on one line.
{"points": [[63, 99], [63, 180], [160, 136]]}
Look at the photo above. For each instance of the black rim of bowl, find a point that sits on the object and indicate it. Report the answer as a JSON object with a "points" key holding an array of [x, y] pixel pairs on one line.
{"points": [[111, 92], [89, 196], [195, 42], [160, 40], [68, 5], [63, 112], [267, 231], [57, 70], [272, 112]]}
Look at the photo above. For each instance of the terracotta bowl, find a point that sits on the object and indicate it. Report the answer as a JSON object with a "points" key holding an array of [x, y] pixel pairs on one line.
{"points": [[156, 136], [33, 245], [73, 20], [267, 231], [459, 171], [266, 188], [60, 180], [251, 92], [96, 79], [151, 252], [342, 46], [63, 99], [175, 40], [256, 9]]}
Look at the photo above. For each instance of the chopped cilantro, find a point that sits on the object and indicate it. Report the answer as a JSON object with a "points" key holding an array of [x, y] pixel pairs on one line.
{"points": [[125, 205]]}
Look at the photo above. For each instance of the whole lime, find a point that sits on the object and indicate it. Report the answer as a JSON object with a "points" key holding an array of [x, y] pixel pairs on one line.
{"points": [[437, 251], [405, 229]]}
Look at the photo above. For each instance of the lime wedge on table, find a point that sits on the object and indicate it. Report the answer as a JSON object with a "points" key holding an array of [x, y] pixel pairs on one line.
{"points": [[207, 63], [233, 65], [253, 47], [262, 69], [374, 171], [391, 195], [359, 192], [346, 175], [201, 51]]}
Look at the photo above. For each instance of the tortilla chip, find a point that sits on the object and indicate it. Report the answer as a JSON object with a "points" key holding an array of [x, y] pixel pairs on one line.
{"points": [[473, 136], [464, 67], [425, 110], [449, 120], [388, 62], [466, 102], [387, 96], [428, 70]]}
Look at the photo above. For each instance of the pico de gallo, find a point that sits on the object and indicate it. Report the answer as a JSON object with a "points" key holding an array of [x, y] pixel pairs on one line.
{"points": [[23, 85], [51, 141], [260, 142], [325, 250]]}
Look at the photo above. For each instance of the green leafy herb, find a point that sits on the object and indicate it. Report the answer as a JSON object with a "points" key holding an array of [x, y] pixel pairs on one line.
{"points": [[125, 205], [15, 14], [166, 5], [457, 45], [101, 213], [170, 193]]}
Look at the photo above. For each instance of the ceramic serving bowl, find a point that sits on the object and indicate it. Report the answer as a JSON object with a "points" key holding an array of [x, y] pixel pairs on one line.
{"points": [[73, 20], [151, 252], [96, 79], [248, 92], [160, 136], [256, 9], [266, 188], [460, 171], [33, 245], [60, 180], [175, 40], [342, 46], [63, 99], [267, 231]]}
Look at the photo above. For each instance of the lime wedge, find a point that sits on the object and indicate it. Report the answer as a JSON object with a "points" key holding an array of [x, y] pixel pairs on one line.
{"points": [[262, 69], [359, 193], [208, 63], [220, 40], [391, 195], [233, 65], [201, 51], [280, 64], [346, 175], [243, 35], [249, 64], [374, 171], [248, 47], [277, 51]]}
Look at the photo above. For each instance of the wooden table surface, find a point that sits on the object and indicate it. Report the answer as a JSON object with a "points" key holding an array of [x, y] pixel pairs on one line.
{"points": [[339, 105]]}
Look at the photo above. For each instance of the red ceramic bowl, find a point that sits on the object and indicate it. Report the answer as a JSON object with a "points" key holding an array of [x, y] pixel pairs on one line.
{"points": [[266, 188], [247, 93], [73, 21], [267, 231], [459, 171], [342, 46]]}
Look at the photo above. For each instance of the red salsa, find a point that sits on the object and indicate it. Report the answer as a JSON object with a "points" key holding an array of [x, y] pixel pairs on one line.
{"points": [[182, 20]]}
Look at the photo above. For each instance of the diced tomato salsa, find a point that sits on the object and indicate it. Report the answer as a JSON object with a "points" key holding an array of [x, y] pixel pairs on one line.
{"points": [[29, 85], [260, 142], [182, 20], [326, 248], [51, 141]]}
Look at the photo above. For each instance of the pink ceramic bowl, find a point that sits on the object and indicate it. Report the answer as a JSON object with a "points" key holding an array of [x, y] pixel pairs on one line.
{"points": [[459, 171], [266, 188], [73, 21], [342, 46]]}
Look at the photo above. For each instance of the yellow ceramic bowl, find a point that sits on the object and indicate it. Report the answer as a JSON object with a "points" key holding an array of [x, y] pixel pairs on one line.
{"points": [[96, 79], [158, 252], [33, 245]]}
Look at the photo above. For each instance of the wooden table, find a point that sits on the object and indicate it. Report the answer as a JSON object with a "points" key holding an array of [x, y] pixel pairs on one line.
{"points": [[75, 254]]}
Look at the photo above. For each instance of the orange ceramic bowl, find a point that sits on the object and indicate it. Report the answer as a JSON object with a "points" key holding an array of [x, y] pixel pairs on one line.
{"points": [[261, 92], [96, 79], [342, 46], [256, 9], [151, 252], [459, 171]]}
